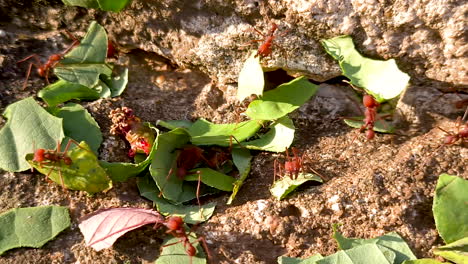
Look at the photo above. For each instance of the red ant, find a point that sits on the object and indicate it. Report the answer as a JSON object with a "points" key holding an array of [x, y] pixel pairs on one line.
{"points": [[43, 69], [267, 42], [292, 166], [46, 156], [175, 226]]}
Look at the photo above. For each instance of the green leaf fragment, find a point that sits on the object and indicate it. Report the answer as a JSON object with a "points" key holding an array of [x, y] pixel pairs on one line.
{"points": [[62, 91], [83, 174], [80, 125], [251, 80], [173, 124], [363, 254], [203, 132], [456, 252], [28, 126], [192, 214], [212, 178], [381, 79], [242, 160], [284, 186], [106, 5], [282, 100], [392, 241], [86, 62], [450, 207], [164, 159], [288, 260], [31, 227], [277, 139], [380, 125], [176, 253], [422, 261]]}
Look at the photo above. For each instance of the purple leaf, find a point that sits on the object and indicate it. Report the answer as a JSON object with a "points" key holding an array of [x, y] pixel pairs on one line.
{"points": [[103, 227]]}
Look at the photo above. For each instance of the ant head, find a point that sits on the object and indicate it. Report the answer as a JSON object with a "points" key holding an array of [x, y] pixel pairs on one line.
{"points": [[174, 222], [450, 139], [39, 155], [67, 160], [369, 101]]}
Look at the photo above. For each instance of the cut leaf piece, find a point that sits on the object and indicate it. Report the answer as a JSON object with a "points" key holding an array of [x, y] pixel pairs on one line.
{"points": [[84, 63], [31, 227], [282, 100], [173, 124], [277, 139], [203, 132], [83, 174], [450, 208], [423, 261], [241, 158], [212, 178], [284, 186], [288, 260], [165, 156], [251, 80], [103, 227], [106, 5], [456, 252], [28, 125], [381, 79], [112, 86], [62, 91], [363, 254], [392, 241], [380, 125], [80, 125], [173, 251]]}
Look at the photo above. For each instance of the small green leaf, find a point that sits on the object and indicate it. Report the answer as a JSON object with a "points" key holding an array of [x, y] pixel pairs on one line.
{"points": [[173, 251], [241, 158], [86, 62], [251, 80], [80, 125], [112, 86], [392, 241], [367, 253], [282, 100], [164, 159], [212, 178], [203, 132], [277, 139], [381, 79], [106, 5], [380, 125], [31, 227], [83, 174], [450, 208], [122, 171], [62, 91], [192, 214], [456, 252], [288, 260], [28, 126], [282, 187]]}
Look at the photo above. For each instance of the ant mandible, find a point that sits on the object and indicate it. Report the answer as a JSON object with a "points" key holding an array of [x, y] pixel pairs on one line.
{"points": [[46, 156], [44, 69], [175, 226]]}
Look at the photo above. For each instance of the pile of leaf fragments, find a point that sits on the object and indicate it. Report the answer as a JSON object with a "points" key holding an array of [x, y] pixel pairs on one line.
{"points": [[178, 162]]}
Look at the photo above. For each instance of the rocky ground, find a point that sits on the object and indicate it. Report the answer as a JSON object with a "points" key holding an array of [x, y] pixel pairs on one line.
{"points": [[372, 187]]}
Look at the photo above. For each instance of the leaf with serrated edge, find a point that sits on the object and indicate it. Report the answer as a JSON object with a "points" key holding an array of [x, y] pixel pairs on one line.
{"points": [[28, 126], [32, 226], [382, 79], [103, 227], [251, 80]]}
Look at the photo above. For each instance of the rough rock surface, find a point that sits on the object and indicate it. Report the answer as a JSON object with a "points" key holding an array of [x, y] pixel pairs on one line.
{"points": [[375, 187]]}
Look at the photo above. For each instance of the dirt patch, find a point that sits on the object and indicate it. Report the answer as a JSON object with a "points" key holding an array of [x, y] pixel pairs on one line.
{"points": [[373, 187]]}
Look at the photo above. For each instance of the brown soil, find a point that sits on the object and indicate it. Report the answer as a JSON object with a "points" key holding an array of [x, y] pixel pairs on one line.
{"points": [[375, 187]]}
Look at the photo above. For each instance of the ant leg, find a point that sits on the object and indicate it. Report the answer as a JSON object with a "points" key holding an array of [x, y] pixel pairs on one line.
{"points": [[27, 77]]}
